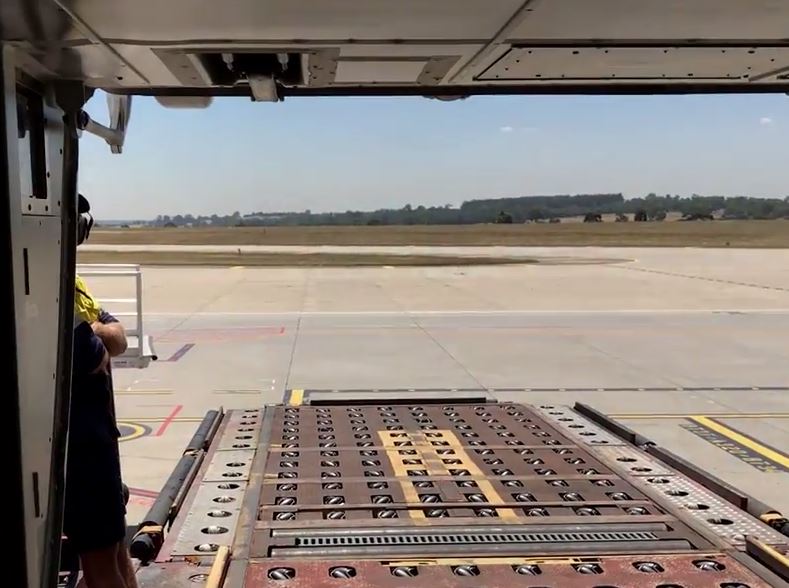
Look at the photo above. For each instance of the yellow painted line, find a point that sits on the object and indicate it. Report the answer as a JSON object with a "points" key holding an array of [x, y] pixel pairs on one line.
{"points": [[727, 415], [427, 453], [217, 574], [237, 267], [774, 553], [296, 397], [485, 485], [435, 466], [751, 444], [138, 431], [401, 472]]}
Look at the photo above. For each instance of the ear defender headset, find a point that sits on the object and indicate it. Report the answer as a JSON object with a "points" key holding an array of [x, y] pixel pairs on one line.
{"points": [[85, 220]]}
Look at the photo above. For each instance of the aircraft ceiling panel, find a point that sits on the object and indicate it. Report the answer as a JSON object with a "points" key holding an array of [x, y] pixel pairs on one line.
{"points": [[369, 71], [287, 20], [426, 47], [624, 64], [281, 20], [158, 72], [655, 19], [406, 50], [104, 70]]}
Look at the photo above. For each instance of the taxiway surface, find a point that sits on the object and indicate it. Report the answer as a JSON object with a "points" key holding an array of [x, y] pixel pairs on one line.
{"points": [[689, 347]]}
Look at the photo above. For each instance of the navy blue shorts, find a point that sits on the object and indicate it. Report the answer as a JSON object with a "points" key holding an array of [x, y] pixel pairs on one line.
{"points": [[95, 511]]}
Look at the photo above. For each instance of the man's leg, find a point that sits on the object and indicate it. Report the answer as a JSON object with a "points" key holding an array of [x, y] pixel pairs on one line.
{"points": [[95, 515], [126, 567], [100, 568]]}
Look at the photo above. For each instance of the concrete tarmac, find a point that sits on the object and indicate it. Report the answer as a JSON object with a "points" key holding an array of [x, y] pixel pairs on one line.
{"points": [[689, 347]]}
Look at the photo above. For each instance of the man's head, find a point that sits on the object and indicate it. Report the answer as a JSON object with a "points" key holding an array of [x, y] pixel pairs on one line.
{"points": [[84, 220]]}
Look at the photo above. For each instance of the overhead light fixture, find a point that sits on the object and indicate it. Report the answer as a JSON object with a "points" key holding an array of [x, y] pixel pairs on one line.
{"points": [[264, 88]]}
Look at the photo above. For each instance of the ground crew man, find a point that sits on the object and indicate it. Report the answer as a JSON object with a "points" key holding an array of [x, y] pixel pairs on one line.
{"points": [[95, 512]]}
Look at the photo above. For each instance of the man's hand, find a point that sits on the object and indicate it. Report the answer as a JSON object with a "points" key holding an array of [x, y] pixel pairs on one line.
{"points": [[113, 335]]}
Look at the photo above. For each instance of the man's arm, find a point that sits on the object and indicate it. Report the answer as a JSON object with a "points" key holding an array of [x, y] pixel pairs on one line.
{"points": [[112, 333], [90, 354]]}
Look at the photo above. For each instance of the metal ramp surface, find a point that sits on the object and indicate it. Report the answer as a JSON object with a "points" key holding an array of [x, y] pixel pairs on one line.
{"points": [[439, 494]]}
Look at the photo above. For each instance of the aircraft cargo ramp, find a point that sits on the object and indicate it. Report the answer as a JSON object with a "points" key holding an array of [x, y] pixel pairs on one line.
{"points": [[463, 492]]}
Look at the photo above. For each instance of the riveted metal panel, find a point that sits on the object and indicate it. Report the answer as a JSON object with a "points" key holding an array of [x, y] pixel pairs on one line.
{"points": [[703, 570], [211, 520]]}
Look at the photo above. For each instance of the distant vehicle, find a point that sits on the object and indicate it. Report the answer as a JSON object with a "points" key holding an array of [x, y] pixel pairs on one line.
{"points": [[504, 218], [698, 217], [593, 217]]}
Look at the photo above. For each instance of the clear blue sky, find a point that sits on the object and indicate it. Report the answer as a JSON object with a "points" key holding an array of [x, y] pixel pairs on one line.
{"points": [[365, 153]]}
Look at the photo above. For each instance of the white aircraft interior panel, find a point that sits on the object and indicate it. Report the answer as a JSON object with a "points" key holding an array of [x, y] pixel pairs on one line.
{"points": [[654, 19], [174, 20], [382, 72], [656, 63], [104, 69], [407, 50], [148, 64]]}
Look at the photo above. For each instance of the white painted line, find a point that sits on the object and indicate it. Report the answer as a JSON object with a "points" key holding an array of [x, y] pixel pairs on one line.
{"points": [[319, 313]]}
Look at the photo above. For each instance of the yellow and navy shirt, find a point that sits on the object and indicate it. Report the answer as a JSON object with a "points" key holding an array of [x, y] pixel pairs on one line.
{"points": [[92, 404], [86, 307]]}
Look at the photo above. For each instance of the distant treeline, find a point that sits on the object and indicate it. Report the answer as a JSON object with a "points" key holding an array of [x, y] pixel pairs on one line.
{"points": [[516, 210]]}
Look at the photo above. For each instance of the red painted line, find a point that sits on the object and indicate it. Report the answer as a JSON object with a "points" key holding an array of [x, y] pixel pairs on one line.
{"points": [[144, 493], [142, 500], [169, 420]]}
